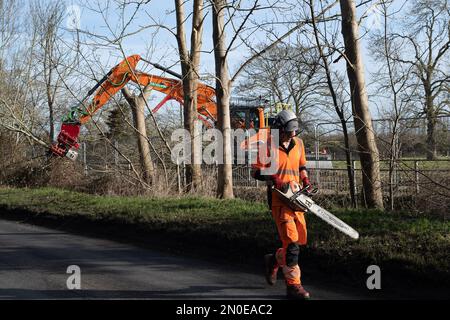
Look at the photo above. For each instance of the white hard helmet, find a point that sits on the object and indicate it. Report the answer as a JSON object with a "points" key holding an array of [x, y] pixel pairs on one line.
{"points": [[286, 120]]}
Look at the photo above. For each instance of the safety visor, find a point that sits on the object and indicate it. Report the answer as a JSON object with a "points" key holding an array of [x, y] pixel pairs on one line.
{"points": [[291, 126]]}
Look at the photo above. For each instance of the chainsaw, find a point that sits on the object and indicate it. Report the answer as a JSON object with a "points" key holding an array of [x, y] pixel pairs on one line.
{"points": [[299, 201]]}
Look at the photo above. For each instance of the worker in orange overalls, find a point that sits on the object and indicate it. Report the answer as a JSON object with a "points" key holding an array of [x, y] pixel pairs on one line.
{"points": [[289, 168]]}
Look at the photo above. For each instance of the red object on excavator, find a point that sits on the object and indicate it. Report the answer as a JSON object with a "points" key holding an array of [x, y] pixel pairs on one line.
{"points": [[67, 139], [56, 150], [69, 135]]}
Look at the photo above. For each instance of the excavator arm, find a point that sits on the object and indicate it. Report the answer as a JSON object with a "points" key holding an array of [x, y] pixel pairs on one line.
{"points": [[110, 84], [67, 141]]}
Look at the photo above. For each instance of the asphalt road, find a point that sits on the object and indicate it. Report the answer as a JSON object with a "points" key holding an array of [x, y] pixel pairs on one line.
{"points": [[34, 262]]}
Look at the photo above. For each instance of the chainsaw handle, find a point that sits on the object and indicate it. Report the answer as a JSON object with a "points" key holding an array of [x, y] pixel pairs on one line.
{"points": [[308, 193]]}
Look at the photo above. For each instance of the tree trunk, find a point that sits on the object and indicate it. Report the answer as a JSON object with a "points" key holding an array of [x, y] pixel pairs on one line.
{"points": [[190, 65], [193, 170], [365, 136], [137, 105], [348, 160], [431, 124], [48, 72], [225, 176], [51, 123]]}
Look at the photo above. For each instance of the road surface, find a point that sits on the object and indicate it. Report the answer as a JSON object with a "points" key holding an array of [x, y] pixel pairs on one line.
{"points": [[34, 262]]}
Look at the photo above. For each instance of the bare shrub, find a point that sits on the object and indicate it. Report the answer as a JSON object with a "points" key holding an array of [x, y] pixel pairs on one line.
{"points": [[64, 173], [112, 184], [25, 174], [251, 193]]}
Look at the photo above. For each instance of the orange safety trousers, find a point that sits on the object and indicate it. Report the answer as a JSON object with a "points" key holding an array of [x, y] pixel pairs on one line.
{"points": [[291, 226]]}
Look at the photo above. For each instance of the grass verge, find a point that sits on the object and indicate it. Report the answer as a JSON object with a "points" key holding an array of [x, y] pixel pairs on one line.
{"points": [[408, 248]]}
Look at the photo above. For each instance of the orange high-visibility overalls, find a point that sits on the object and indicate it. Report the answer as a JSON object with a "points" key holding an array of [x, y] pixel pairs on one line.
{"points": [[291, 224]]}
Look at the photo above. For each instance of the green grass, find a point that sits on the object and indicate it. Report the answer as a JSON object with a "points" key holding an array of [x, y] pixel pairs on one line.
{"points": [[415, 242], [61, 202], [395, 241], [186, 214]]}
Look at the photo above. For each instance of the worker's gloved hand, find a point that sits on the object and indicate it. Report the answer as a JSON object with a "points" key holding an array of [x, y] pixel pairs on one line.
{"points": [[277, 182], [307, 186]]}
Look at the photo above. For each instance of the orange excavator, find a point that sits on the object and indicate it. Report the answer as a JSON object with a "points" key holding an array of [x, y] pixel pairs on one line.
{"points": [[119, 76]]}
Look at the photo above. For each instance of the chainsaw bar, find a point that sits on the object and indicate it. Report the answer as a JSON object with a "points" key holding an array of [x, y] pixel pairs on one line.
{"points": [[299, 201]]}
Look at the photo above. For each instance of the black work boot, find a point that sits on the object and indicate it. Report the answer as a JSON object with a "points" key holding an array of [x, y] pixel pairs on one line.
{"points": [[271, 268], [296, 292]]}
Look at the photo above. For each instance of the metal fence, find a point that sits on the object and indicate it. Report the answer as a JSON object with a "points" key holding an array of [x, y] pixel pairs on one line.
{"points": [[408, 176], [408, 139]]}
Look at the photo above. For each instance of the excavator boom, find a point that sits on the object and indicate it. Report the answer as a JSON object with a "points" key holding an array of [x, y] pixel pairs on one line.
{"points": [[114, 81]]}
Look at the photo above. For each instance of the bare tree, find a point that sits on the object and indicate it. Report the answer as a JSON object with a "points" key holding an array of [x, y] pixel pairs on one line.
{"points": [[396, 85], [8, 27], [223, 80], [118, 31], [365, 136], [288, 74], [190, 62], [21, 119], [423, 44], [339, 108], [51, 57], [225, 182]]}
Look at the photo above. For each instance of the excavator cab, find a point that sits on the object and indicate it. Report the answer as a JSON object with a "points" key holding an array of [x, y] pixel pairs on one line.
{"points": [[247, 113], [254, 120], [245, 119]]}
